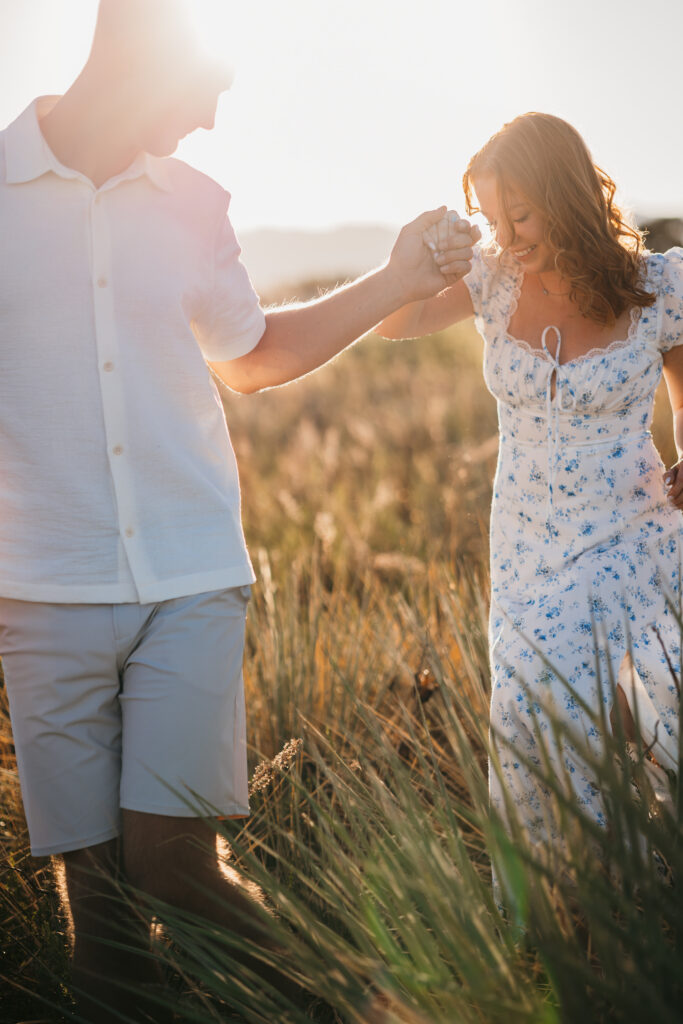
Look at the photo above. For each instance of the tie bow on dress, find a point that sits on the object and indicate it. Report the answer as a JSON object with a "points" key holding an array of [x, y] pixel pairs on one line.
{"points": [[554, 404]]}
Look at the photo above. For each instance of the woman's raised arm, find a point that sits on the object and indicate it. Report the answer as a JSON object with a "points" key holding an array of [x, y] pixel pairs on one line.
{"points": [[429, 315]]}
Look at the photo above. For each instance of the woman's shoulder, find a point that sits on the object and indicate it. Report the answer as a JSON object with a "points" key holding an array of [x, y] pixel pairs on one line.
{"points": [[493, 266], [664, 270], [493, 281]]}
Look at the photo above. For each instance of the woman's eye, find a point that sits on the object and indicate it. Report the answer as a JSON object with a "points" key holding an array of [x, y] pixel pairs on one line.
{"points": [[520, 220]]}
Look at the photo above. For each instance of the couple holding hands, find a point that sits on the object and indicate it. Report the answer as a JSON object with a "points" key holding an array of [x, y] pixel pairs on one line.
{"points": [[123, 571]]}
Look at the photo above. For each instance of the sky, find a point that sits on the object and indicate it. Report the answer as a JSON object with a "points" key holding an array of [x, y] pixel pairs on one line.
{"points": [[367, 111]]}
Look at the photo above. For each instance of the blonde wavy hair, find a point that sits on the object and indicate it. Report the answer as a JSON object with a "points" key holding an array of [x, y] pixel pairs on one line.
{"points": [[546, 161]]}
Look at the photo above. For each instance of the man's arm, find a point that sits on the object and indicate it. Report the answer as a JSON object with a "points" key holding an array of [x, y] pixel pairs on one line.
{"points": [[298, 339]]}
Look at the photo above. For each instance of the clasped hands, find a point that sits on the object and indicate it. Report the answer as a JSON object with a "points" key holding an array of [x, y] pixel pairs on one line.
{"points": [[450, 242], [433, 252]]}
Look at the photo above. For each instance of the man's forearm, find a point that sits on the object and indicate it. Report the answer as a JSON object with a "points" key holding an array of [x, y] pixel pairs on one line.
{"points": [[298, 339]]}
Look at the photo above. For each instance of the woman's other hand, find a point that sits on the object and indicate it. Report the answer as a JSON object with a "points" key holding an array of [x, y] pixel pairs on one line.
{"points": [[673, 481]]}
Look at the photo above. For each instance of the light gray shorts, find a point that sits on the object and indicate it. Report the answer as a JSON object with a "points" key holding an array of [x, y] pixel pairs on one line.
{"points": [[125, 706]]}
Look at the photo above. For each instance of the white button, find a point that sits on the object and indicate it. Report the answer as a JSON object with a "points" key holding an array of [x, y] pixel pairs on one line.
{"points": [[129, 531], [118, 449], [108, 367], [102, 282]]}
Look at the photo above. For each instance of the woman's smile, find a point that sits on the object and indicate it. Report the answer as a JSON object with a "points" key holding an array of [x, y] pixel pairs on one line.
{"points": [[521, 254]]}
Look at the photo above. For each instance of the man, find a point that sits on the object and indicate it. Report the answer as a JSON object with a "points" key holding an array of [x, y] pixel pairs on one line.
{"points": [[123, 571]]}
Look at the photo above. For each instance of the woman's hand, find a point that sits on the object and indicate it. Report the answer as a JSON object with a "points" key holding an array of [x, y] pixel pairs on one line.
{"points": [[444, 239], [673, 481]]}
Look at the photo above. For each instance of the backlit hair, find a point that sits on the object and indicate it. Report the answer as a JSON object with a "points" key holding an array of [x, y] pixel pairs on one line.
{"points": [[156, 42], [546, 161]]}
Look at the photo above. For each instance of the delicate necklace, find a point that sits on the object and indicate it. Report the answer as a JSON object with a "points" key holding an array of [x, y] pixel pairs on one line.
{"points": [[545, 290]]}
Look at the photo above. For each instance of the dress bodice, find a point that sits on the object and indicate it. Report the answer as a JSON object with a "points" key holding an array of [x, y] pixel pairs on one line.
{"points": [[617, 382], [601, 400]]}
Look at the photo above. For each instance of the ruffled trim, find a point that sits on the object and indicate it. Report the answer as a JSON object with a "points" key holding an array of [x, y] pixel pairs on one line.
{"points": [[540, 353]]}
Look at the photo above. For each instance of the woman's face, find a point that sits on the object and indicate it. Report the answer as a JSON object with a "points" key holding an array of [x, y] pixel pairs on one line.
{"points": [[525, 242]]}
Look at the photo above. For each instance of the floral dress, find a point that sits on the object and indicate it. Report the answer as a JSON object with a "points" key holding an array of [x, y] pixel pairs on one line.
{"points": [[585, 550]]}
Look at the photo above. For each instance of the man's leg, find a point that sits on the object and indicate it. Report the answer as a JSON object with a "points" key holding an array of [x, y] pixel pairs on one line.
{"points": [[175, 860], [101, 919], [62, 680], [184, 733], [171, 859]]}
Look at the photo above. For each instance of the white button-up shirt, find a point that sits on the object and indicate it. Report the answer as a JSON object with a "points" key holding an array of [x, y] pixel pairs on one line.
{"points": [[117, 477]]}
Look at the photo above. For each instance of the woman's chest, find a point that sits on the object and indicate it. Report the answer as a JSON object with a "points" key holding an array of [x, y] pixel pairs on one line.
{"points": [[600, 381], [574, 336]]}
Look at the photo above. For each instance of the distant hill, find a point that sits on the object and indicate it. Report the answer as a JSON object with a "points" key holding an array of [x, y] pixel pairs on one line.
{"points": [[281, 259], [663, 233]]}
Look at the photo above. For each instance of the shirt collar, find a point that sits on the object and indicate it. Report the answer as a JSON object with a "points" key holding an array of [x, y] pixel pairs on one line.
{"points": [[28, 156], [156, 169]]}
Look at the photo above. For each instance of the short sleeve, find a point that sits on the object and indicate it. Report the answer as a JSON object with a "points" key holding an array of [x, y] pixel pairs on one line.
{"points": [[475, 279], [493, 284], [670, 300], [229, 322]]}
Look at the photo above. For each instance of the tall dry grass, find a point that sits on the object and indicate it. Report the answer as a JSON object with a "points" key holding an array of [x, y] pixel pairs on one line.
{"points": [[366, 491]]}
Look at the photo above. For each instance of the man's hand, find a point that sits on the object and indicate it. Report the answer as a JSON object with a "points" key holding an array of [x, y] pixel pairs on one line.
{"points": [[422, 273]]}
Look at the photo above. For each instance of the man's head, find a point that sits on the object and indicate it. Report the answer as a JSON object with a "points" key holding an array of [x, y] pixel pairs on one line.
{"points": [[149, 51]]}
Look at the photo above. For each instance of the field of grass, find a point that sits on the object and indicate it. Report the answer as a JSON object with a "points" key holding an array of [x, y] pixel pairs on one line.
{"points": [[366, 491]]}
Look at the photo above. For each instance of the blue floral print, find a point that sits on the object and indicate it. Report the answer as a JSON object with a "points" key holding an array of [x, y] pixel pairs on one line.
{"points": [[585, 550]]}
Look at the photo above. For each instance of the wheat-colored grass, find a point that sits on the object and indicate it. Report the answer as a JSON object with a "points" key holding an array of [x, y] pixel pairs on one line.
{"points": [[366, 491]]}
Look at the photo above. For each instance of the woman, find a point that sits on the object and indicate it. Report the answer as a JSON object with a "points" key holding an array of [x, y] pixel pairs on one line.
{"points": [[578, 322]]}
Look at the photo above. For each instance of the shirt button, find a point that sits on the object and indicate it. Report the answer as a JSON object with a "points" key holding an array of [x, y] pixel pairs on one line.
{"points": [[102, 282], [129, 531], [118, 449], [108, 367]]}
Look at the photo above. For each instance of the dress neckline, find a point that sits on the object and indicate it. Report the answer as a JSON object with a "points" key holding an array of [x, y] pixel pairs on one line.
{"points": [[540, 353]]}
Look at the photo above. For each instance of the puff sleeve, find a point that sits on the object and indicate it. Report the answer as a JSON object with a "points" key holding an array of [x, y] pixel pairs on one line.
{"points": [[475, 280], [493, 283], [670, 301]]}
